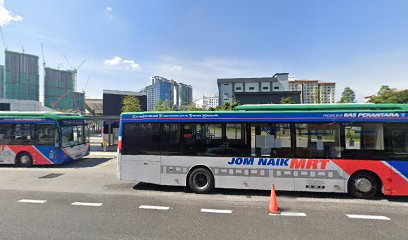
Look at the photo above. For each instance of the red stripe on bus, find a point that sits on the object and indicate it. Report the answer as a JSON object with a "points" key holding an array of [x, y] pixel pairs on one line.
{"points": [[393, 183]]}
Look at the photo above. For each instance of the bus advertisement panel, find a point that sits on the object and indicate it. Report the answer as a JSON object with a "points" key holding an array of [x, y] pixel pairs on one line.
{"points": [[42, 138], [362, 151]]}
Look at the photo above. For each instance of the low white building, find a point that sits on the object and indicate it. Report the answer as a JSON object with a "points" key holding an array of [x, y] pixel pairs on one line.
{"points": [[22, 105], [206, 102]]}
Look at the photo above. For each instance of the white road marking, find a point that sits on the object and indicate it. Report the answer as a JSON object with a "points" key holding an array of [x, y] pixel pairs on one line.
{"points": [[32, 201], [88, 204], [289, 214], [370, 217], [205, 210], [154, 207]]}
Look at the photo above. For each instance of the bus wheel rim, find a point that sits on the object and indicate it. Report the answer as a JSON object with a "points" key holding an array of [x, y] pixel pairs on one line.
{"points": [[200, 181], [24, 159], [363, 185]]}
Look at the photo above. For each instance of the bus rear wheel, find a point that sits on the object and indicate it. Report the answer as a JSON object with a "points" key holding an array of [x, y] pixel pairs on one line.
{"points": [[363, 185], [24, 159], [201, 180]]}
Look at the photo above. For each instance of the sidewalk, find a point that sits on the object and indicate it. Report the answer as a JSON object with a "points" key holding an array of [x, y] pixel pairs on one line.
{"points": [[103, 154]]}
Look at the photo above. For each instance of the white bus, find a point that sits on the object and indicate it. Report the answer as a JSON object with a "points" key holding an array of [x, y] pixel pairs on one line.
{"points": [[357, 148]]}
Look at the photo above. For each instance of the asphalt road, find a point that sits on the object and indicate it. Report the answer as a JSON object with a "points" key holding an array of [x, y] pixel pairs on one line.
{"points": [[88, 202]]}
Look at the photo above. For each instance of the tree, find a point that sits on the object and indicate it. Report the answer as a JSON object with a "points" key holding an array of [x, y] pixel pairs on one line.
{"points": [[190, 107], [227, 106], [348, 96], [164, 106], [388, 95], [131, 104], [287, 100]]}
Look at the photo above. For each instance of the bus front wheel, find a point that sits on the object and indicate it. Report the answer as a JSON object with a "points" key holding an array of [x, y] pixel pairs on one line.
{"points": [[201, 180], [24, 159], [363, 185]]}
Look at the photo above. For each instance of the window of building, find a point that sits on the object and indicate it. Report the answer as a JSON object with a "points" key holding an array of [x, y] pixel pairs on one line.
{"points": [[251, 88], [276, 88]]}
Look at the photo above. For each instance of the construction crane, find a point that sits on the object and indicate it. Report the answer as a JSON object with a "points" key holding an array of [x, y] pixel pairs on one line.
{"points": [[75, 71], [2, 38], [42, 50], [59, 99]]}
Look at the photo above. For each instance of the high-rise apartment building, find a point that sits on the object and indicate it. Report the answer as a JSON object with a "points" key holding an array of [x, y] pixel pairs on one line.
{"points": [[314, 91], [60, 90], [327, 92], [21, 76], [163, 89]]}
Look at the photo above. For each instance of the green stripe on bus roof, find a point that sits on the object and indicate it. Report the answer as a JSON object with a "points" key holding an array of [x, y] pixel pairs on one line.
{"points": [[323, 107], [55, 116], [297, 108]]}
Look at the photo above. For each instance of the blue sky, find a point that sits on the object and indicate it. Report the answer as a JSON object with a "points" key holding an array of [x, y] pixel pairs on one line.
{"points": [[362, 44]]}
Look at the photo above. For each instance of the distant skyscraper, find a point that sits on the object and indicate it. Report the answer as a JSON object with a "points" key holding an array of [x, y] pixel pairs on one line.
{"points": [[1, 80], [21, 76], [185, 94], [163, 89]]}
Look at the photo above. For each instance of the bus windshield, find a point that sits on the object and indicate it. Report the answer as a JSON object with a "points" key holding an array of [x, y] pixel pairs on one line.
{"points": [[73, 135]]}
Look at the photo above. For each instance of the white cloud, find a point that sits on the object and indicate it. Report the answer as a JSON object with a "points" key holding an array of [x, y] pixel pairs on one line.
{"points": [[176, 68], [113, 61], [7, 17], [131, 63], [118, 61], [108, 9]]}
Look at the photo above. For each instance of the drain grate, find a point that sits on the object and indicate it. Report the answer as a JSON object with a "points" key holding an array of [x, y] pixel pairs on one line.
{"points": [[52, 175]]}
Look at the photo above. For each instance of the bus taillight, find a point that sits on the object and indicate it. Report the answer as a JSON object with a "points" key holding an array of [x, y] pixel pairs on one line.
{"points": [[120, 143]]}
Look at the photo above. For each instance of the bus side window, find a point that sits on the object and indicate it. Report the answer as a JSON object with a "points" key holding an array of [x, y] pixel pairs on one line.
{"points": [[5, 130], [352, 137], [318, 140], [45, 134], [271, 140], [397, 142], [141, 139], [171, 141]]}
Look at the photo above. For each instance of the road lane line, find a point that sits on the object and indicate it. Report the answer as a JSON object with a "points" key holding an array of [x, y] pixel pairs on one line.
{"points": [[369, 217], [154, 207], [289, 214], [32, 201], [88, 204], [206, 210]]}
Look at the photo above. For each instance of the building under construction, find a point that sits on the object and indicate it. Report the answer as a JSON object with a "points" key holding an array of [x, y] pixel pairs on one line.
{"points": [[21, 76], [59, 90]]}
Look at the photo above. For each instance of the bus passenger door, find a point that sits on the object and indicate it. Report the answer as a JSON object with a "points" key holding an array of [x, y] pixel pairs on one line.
{"points": [[271, 147]]}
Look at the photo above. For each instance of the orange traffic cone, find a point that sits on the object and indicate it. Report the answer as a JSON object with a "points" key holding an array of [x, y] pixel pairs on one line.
{"points": [[273, 204]]}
